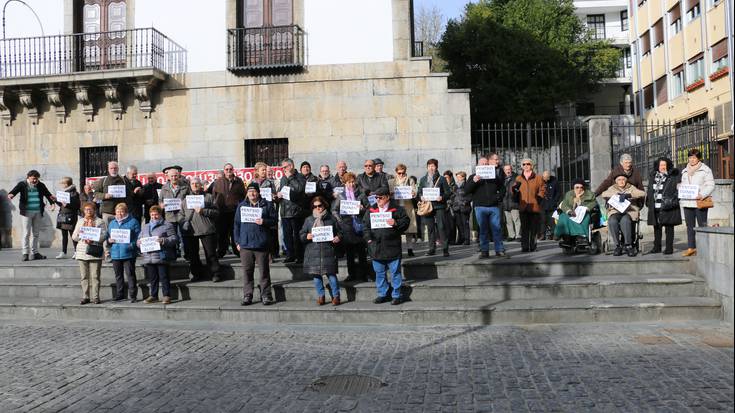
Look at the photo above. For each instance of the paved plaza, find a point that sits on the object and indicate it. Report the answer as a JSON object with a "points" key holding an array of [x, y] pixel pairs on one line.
{"points": [[189, 367]]}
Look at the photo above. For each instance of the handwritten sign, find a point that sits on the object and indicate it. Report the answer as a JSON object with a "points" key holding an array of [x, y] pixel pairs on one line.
{"points": [[403, 192], [120, 236], [150, 244], [310, 187], [117, 191], [63, 197], [431, 194], [171, 204], [620, 206], [286, 192], [90, 233], [194, 201], [372, 199], [266, 194], [688, 191], [322, 234], [250, 215], [380, 220], [485, 171], [349, 207], [579, 213], [339, 190]]}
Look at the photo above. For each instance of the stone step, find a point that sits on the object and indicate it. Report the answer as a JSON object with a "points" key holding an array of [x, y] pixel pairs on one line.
{"points": [[475, 312], [440, 290]]}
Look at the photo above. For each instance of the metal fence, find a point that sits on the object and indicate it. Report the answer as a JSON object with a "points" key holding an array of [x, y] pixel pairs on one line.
{"points": [[83, 52], [648, 141], [559, 147], [277, 47]]}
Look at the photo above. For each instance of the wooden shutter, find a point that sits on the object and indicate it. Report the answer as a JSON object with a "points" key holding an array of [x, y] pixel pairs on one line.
{"points": [[254, 12], [282, 12], [674, 13], [678, 69], [719, 50], [658, 32], [662, 94]]}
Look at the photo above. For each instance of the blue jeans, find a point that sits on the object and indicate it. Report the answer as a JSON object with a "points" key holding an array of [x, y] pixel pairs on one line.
{"points": [[381, 284], [333, 285], [488, 218]]}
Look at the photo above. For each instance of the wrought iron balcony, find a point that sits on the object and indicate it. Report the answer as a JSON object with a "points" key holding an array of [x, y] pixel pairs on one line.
{"points": [[266, 48], [67, 54]]}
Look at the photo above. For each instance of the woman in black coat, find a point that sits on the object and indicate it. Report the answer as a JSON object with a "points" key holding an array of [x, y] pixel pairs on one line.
{"points": [[662, 200], [352, 245], [320, 258], [66, 221]]}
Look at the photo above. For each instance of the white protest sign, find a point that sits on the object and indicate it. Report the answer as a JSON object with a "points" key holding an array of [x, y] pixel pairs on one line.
{"points": [[194, 201], [286, 192], [579, 213], [349, 207], [63, 197], [322, 234], [620, 206], [310, 187], [117, 191], [380, 219], [266, 194], [339, 190], [120, 236], [485, 171], [171, 204], [372, 199], [150, 244], [555, 215], [250, 215], [688, 191], [402, 192], [431, 194], [90, 233]]}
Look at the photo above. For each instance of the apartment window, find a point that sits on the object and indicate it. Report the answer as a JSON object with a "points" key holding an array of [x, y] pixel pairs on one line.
{"points": [[596, 24], [648, 97], [627, 59], [712, 3], [661, 91], [645, 43], [658, 33], [695, 69], [677, 82], [719, 55], [624, 20], [675, 20], [693, 10]]}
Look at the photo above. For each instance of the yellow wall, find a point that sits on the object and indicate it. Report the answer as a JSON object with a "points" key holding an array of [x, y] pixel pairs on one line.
{"points": [[646, 71], [693, 36], [642, 22], [716, 23], [654, 10], [676, 51], [659, 62]]}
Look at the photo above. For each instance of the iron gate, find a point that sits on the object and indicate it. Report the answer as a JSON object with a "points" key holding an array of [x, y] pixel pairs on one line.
{"points": [[562, 148], [93, 161], [269, 151]]}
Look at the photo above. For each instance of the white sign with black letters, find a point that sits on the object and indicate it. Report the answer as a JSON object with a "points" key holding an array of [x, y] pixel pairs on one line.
{"points": [[688, 191], [250, 215], [485, 171], [380, 220], [63, 197], [286, 192], [171, 204], [322, 234], [579, 214], [194, 201], [403, 192], [90, 233], [266, 194], [620, 206], [349, 207], [150, 244], [310, 187], [117, 191], [120, 235], [431, 194]]}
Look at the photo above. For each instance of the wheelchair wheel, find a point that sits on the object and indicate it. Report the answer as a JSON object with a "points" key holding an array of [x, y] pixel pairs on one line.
{"points": [[595, 244]]}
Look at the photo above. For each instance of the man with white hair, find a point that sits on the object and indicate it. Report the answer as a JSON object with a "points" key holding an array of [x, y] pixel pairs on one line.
{"points": [[626, 168], [109, 197], [341, 169]]}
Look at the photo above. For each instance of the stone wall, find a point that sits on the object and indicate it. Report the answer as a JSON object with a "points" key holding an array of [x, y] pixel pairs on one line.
{"points": [[714, 263], [397, 111]]}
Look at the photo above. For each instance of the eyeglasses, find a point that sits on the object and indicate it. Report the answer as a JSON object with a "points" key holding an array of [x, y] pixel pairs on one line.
{"points": [[368, 166], [526, 164], [315, 206]]}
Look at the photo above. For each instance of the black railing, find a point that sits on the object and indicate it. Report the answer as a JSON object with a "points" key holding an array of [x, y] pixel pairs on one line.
{"points": [[648, 141], [85, 52], [562, 148], [277, 47], [418, 49]]}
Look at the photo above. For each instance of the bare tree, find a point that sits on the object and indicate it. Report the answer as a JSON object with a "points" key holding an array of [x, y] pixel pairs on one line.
{"points": [[429, 25]]}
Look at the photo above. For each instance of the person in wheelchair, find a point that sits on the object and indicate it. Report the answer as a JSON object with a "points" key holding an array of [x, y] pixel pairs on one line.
{"points": [[622, 212], [568, 230]]}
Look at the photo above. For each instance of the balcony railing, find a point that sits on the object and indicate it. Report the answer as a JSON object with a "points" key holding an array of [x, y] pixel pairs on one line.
{"points": [[263, 48], [145, 48]]}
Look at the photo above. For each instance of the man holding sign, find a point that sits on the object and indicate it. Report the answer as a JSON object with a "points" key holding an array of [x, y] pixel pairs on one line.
{"points": [[122, 239], [384, 245], [621, 212], [252, 235], [487, 190], [173, 193], [200, 225], [111, 190], [291, 204], [320, 235], [433, 188]]}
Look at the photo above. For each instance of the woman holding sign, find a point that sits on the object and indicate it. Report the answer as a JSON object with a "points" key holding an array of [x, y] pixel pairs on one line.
{"points": [[90, 232], [662, 201], [157, 242], [434, 192], [122, 238], [574, 219], [68, 201], [348, 209], [320, 234], [621, 212], [403, 190], [698, 178]]}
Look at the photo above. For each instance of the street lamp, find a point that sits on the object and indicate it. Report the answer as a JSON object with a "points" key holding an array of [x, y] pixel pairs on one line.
{"points": [[29, 8]]}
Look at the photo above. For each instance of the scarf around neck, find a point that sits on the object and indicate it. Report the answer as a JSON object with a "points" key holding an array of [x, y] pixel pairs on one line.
{"points": [[319, 217]]}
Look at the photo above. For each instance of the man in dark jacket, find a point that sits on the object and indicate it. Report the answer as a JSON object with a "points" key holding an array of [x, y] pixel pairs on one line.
{"points": [[311, 188], [292, 209], [436, 220], [228, 191], [32, 192], [551, 200], [150, 192], [171, 201], [341, 169], [461, 205], [200, 224], [252, 242], [324, 187], [510, 205], [384, 245], [134, 192], [626, 168], [369, 181], [487, 197]]}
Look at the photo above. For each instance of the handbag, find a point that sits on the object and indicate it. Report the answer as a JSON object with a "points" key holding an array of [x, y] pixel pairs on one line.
{"points": [[94, 250], [425, 208], [705, 203]]}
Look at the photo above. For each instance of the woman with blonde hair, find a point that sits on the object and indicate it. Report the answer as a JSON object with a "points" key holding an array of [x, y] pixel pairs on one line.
{"points": [[402, 179]]}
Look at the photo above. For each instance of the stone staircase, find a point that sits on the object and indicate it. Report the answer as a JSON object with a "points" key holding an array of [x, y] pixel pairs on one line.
{"points": [[544, 287]]}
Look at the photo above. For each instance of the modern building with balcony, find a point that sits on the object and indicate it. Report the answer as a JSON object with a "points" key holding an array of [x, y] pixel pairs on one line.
{"points": [[156, 82]]}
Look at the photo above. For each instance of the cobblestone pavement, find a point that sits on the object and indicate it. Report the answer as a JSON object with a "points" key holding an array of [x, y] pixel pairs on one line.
{"points": [[187, 367]]}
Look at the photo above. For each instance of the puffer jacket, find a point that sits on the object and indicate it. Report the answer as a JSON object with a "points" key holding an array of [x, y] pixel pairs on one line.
{"points": [[125, 251], [385, 243], [669, 213], [345, 221], [460, 201], [293, 208], [167, 232], [252, 236], [531, 192], [203, 223], [320, 258], [181, 191], [82, 246], [702, 177], [635, 195]]}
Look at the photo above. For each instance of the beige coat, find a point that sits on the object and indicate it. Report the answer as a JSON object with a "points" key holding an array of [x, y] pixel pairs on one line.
{"points": [[702, 177], [633, 210], [407, 204], [82, 246]]}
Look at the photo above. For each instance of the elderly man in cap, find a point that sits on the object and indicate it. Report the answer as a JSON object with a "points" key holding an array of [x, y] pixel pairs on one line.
{"points": [[173, 193], [380, 168], [200, 225]]}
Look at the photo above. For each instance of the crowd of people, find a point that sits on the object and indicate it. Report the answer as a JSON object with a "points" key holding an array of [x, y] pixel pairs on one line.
{"points": [[314, 220]]}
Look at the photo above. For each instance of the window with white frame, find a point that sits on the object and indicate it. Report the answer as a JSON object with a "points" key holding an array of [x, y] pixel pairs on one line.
{"points": [[693, 12], [719, 55], [677, 84], [695, 70], [675, 20]]}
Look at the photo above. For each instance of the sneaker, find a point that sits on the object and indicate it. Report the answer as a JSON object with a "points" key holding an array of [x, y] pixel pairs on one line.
{"points": [[166, 299], [150, 300], [25, 257], [632, 251], [336, 301], [38, 256], [61, 255], [267, 301], [381, 300]]}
